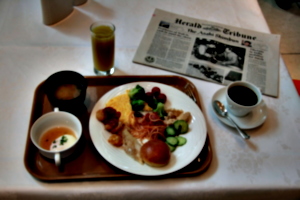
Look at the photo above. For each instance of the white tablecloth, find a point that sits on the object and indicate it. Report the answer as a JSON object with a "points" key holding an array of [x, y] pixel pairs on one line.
{"points": [[266, 166]]}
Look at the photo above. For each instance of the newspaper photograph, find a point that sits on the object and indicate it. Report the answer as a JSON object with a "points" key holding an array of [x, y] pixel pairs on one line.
{"points": [[210, 51]]}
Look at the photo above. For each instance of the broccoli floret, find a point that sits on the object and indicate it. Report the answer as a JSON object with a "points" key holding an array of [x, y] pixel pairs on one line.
{"points": [[137, 105], [137, 93], [152, 102], [160, 109]]}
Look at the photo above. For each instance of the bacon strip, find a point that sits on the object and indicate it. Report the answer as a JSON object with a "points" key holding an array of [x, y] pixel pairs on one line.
{"points": [[150, 126]]}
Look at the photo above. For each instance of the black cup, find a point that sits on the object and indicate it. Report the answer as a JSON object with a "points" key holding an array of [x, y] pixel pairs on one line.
{"points": [[62, 78]]}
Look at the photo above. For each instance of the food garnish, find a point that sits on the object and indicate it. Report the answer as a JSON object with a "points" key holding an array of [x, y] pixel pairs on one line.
{"points": [[143, 127], [160, 109], [63, 140]]}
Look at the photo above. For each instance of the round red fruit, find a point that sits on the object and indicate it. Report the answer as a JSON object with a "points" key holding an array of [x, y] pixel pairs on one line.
{"points": [[155, 91], [161, 98]]}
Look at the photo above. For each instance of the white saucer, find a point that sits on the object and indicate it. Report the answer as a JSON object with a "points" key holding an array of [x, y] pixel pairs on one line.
{"points": [[251, 120]]}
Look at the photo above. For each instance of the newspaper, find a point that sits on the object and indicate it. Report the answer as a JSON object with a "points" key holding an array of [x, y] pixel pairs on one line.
{"points": [[210, 51]]}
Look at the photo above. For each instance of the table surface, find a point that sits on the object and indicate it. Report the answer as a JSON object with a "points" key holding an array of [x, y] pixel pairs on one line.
{"points": [[268, 165]]}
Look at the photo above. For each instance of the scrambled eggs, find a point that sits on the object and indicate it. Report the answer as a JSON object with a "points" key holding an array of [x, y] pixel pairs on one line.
{"points": [[122, 104]]}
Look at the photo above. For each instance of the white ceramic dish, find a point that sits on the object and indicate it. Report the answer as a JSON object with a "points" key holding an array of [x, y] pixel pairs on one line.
{"points": [[180, 158], [251, 120], [51, 120]]}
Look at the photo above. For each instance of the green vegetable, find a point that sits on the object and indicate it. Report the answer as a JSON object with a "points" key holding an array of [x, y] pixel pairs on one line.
{"points": [[63, 140], [181, 126], [181, 141], [137, 93], [172, 148], [137, 105], [152, 102], [170, 131], [173, 141], [160, 110]]}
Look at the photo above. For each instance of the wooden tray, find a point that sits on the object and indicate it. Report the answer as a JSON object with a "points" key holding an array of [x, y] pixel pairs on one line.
{"points": [[87, 163]]}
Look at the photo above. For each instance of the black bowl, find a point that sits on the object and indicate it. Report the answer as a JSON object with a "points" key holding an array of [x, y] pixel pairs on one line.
{"points": [[72, 87]]}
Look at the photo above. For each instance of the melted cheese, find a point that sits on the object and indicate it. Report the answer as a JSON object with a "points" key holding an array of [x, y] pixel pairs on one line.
{"points": [[122, 104]]}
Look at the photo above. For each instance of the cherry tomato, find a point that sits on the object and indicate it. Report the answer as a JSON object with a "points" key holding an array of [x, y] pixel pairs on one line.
{"points": [[161, 98], [155, 91]]}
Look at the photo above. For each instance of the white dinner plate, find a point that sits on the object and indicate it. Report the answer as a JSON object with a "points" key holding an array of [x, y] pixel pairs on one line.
{"points": [[252, 120], [180, 158]]}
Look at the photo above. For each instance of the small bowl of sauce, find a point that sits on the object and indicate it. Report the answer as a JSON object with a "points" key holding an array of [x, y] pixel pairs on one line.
{"points": [[56, 134], [58, 138], [66, 90]]}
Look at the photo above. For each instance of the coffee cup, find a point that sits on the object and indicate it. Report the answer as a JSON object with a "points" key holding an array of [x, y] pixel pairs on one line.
{"points": [[242, 97], [56, 134]]}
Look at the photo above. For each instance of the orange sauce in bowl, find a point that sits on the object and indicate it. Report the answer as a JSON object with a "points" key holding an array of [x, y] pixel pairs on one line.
{"points": [[52, 134]]}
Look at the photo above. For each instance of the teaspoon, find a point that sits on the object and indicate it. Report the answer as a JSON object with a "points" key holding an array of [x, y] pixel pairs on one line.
{"points": [[222, 111]]}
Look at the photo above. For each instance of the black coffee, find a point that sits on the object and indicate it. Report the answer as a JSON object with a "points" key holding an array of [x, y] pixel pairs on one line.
{"points": [[242, 95]]}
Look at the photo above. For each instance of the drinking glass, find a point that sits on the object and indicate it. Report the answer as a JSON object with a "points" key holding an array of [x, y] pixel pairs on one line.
{"points": [[103, 47]]}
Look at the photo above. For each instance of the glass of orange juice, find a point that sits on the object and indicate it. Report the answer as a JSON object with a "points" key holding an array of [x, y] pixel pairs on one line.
{"points": [[103, 47]]}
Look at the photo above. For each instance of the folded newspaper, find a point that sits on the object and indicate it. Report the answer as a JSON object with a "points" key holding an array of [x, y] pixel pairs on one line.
{"points": [[210, 51]]}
